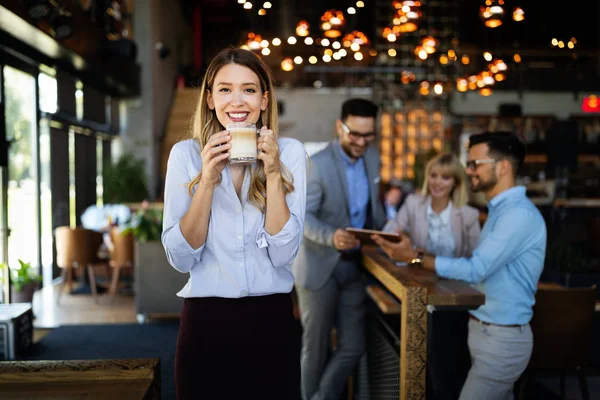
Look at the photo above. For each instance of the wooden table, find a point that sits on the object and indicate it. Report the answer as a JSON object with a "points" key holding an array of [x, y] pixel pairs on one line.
{"points": [[416, 289], [127, 379]]}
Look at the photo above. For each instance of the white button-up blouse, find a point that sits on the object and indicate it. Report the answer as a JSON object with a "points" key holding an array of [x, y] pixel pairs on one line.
{"points": [[239, 258]]}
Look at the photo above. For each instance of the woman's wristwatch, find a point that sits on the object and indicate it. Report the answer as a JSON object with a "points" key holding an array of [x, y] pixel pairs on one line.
{"points": [[418, 260]]}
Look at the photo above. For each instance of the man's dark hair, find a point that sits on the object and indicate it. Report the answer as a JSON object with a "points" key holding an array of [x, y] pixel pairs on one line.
{"points": [[502, 145], [359, 108]]}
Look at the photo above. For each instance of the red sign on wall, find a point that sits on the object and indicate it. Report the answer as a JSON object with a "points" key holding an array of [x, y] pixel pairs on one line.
{"points": [[591, 104]]}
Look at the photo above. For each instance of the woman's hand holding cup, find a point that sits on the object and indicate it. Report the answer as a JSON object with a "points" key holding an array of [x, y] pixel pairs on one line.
{"points": [[268, 152], [215, 156]]}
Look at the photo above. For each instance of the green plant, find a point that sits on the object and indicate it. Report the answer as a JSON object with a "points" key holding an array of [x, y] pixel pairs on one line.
{"points": [[145, 225], [125, 181], [22, 275]]}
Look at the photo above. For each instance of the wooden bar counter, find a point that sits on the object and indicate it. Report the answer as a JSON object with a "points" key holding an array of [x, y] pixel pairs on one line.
{"points": [[415, 289], [126, 379]]}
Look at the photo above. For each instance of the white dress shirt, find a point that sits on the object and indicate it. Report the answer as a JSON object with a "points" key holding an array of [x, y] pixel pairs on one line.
{"points": [[440, 239], [239, 258]]}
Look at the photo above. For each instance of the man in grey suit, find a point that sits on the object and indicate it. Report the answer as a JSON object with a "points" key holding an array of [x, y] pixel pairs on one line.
{"points": [[342, 191]]}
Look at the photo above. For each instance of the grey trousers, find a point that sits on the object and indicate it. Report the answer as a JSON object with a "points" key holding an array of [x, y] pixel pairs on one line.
{"points": [[499, 355], [340, 303]]}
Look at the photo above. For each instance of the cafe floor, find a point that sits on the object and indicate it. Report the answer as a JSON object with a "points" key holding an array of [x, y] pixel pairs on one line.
{"points": [[78, 309]]}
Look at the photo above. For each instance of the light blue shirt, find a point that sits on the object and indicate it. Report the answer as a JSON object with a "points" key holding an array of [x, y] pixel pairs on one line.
{"points": [[358, 189], [508, 261], [239, 258]]}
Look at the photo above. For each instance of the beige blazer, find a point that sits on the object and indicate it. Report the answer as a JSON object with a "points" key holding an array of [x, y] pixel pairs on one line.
{"points": [[412, 218]]}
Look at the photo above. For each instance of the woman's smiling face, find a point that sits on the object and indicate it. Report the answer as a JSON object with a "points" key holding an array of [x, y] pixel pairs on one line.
{"points": [[440, 183], [236, 95]]}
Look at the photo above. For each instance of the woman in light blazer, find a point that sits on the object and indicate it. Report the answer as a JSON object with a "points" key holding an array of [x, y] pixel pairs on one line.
{"points": [[438, 218]]}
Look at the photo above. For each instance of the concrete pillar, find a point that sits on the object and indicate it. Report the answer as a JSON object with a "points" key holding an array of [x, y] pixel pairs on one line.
{"points": [[145, 118]]}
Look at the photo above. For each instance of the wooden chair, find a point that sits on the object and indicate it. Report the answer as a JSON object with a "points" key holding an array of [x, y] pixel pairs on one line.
{"points": [[121, 257], [77, 248], [562, 334]]}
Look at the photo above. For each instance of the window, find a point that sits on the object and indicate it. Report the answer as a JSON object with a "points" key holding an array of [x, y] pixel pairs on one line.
{"points": [[48, 93]]}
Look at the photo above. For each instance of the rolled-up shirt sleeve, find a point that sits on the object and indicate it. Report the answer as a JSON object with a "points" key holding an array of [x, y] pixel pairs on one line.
{"points": [[283, 246], [177, 200], [500, 246]]}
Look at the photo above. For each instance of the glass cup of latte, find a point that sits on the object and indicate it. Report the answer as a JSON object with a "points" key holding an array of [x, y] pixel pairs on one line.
{"points": [[243, 142]]}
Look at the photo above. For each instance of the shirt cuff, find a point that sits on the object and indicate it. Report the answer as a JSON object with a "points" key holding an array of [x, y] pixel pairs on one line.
{"points": [[283, 237], [177, 244], [443, 266]]}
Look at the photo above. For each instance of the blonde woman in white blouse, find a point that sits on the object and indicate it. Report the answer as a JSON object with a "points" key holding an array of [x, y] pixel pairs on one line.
{"points": [[235, 230], [438, 218]]}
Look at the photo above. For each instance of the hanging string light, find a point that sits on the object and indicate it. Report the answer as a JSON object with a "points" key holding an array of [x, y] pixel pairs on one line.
{"points": [[407, 15], [254, 41], [261, 11], [492, 13], [335, 44], [332, 23], [287, 64], [429, 44], [405, 19], [484, 80], [462, 85], [518, 14], [351, 10], [356, 38], [302, 28]]}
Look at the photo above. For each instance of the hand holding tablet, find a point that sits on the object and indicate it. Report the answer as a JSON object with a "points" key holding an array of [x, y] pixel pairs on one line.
{"points": [[364, 235]]}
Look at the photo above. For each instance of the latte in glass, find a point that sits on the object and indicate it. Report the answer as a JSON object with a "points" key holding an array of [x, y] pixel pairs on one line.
{"points": [[243, 142]]}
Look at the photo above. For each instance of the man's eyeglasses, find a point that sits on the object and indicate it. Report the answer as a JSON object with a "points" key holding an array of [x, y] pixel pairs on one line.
{"points": [[357, 135], [473, 164]]}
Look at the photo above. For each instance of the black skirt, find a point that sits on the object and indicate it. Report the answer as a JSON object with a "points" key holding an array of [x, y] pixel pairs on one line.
{"points": [[238, 348]]}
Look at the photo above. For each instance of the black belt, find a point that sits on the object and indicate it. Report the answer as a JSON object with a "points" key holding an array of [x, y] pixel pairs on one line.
{"points": [[490, 324]]}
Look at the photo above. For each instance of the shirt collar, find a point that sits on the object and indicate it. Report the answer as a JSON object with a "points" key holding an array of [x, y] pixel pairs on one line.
{"points": [[443, 214], [513, 192]]}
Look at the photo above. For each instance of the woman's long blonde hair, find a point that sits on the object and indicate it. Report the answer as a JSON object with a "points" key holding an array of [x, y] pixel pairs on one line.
{"points": [[205, 122], [450, 165]]}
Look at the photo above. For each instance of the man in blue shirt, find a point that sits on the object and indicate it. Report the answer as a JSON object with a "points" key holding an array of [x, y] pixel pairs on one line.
{"points": [[342, 190], [505, 266]]}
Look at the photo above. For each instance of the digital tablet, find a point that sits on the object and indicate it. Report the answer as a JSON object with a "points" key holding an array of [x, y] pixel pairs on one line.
{"points": [[364, 235]]}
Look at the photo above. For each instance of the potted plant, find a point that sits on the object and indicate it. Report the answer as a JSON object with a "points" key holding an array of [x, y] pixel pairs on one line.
{"points": [[156, 282], [146, 224], [24, 281], [124, 181]]}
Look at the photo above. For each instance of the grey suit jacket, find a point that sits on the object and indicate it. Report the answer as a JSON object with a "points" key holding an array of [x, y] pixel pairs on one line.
{"points": [[327, 210], [412, 217]]}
